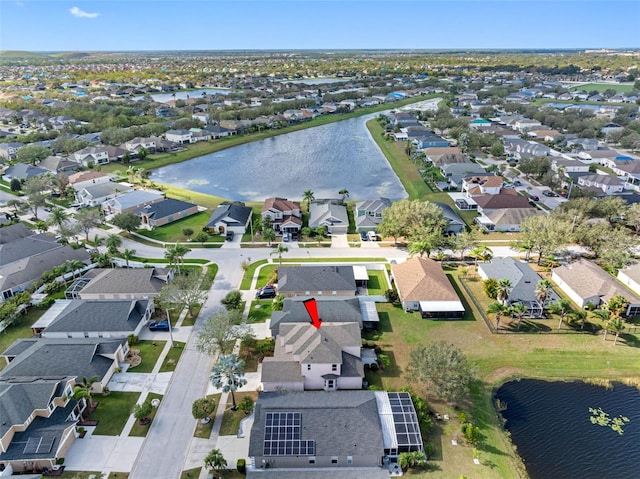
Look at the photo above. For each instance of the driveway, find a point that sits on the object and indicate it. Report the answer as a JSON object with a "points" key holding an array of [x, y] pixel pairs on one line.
{"points": [[103, 453], [138, 382]]}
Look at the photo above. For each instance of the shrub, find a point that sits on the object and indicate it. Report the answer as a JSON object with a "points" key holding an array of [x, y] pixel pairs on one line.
{"points": [[203, 408], [246, 405], [374, 366], [490, 287], [233, 300], [462, 417], [133, 339], [391, 295], [241, 465]]}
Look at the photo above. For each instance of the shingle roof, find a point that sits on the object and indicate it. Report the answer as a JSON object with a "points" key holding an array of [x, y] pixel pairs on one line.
{"points": [[511, 216], [237, 212], [322, 345], [99, 315], [135, 198], [164, 208], [125, 281], [280, 204], [278, 371], [422, 279], [316, 278], [105, 189], [338, 309], [491, 202], [327, 213]]}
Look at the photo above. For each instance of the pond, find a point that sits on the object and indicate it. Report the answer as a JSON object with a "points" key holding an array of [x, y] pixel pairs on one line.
{"points": [[324, 159], [550, 425]]}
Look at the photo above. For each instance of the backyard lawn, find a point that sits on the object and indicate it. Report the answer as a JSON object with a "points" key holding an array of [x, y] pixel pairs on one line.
{"points": [[139, 430], [377, 284], [172, 232], [260, 310], [20, 329], [149, 352], [231, 419], [173, 356], [113, 412]]}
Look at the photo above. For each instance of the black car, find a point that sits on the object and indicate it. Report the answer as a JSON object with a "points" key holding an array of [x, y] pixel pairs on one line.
{"points": [[517, 183], [229, 236], [159, 326], [266, 292], [534, 198]]}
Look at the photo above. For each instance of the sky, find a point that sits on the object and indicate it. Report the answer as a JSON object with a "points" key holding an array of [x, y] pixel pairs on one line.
{"points": [[133, 25]]}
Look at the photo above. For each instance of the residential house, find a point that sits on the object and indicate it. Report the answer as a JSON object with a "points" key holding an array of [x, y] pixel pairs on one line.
{"points": [[308, 358], [526, 124], [548, 135], [455, 173], [216, 131], [201, 116], [135, 145], [587, 283], [482, 185], [235, 217], [199, 134], [97, 194], [423, 286], [91, 155], [524, 281], [630, 277], [455, 224], [564, 165], [181, 137], [597, 155], [9, 150], [609, 185], [316, 281], [331, 309], [434, 154], [125, 283], [88, 178], [330, 213], [285, 215], [79, 318], [25, 256], [165, 211], [131, 201], [354, 432], [368, 214], [622, 165], [58, 164], [505, 219], [22, 171]]}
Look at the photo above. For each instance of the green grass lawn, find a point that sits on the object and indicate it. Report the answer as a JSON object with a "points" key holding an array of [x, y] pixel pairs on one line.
{"points": [[249, 273], [82, 474], [377, 283], [231, 419], [149, 352], [141, 431], [603, 86], [262, 313], [265, 274], [118, 475], [203, 431], [173, 356], [172, 232], [113, 412], [20, 329], [191, 473], [209, 277], [250, 352]]}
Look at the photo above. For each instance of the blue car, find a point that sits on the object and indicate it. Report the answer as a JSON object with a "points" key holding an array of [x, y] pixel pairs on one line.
{"points": [[363, 236], [159, 326]]}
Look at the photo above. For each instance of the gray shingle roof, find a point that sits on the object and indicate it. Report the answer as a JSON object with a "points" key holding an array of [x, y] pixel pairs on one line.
{"points": [[322, 345], [327, 212], [135, 198], [124, 281], [329, 309], [237, 212], [99, 316], [275, 371], [341, 422], [316, 278], [164, 208]]}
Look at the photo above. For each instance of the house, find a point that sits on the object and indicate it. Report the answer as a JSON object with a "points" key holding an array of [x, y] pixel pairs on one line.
{"points": [[434, 154], [316, 281], [22, 171], [97, 194], [308, 358], [216, 132], [346, 431], [423, 286], [482, 185], [166, 211], [455, 224], [25, 256], [201, 116], [39, 416], [9, 150], [137, 144], [88, 178], [524, 281], [331, 309], [80, 318], [455, 173], [126, 283], [562, 165], [91, 155], [586, 282], [630, 277], [505, 219], [181, 137], [368, 214], [131, 201], [234, 217], [608, 184], [285, 215], [506, 199], [330, 213], [58, 164]]}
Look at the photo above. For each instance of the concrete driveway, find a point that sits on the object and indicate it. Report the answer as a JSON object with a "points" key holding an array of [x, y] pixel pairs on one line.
{"points": [[103, 453], [138, 382]]}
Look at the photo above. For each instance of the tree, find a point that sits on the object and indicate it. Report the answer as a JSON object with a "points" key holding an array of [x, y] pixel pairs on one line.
{"points": [[499, 310], [424, 246], [545, 233], [502, 291], [246, 405], [228, 375], [542, 291], [444, 368], [128, 255], [58, 217], [562, 307], [490, 287], [618, 305], [632, 217], [88, 219], [268, 235], [220, 330], [464, 241], [413, 219], [176, 253], [411, 459], [308, 197], [141, 411], [604, 315], [518, 312], [32, 154], [616, 325], [278, 303], [16, 204], [73, 266], [182, 292], [279, 250], [187, 232], [203, 408], [84, 390], [35, 201], [481, 252], [497, 149], [61, 182], [113, 242], [127, 221], [215, 459], [232, 301], [344, 193], [201, 238], [15, 185]]}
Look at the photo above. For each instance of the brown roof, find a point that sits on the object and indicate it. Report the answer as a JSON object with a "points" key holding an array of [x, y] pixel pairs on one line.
{"points": [[280, 204], [422, 279], [442, 151], [492, 202], [85, 176], [488, 181]]}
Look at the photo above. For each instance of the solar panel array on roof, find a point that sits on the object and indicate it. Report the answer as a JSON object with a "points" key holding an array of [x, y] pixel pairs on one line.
{"points": [[282, 436], [38, 445], [406, 422]]}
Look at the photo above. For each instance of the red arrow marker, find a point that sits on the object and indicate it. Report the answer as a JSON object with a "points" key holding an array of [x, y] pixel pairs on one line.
{"points": [[312, 308]]}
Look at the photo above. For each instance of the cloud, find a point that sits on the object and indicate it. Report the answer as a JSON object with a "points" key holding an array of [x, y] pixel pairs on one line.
{"points": [[76, 12]]}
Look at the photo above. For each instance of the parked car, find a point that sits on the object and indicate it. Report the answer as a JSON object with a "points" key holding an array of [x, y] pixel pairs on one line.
{"points": [[517, 183], [372, 235], [363, 236], [549, 193], [285, 237], [159, 326], [230, 235], [266, 292], [534, 198]]}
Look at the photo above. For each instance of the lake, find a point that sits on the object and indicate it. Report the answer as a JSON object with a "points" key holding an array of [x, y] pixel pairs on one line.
{"points": [[550, 424], [324, 159], [184, 94]]}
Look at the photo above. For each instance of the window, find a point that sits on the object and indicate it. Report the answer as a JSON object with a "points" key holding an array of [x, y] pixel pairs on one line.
{"points": [[334, 459], [349, 459], [334, 293], [312, 459], [308, 367], [334, 367]]}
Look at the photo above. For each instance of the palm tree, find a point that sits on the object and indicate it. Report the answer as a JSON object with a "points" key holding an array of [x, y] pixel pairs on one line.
{"points": [[562, 307], [308, 197], [604, 315], [518, 311], [542, 291], [127, 255], [215, 460], [481, 252], [228, 375], [113, 242], [170, 256], [344, 192], [420, 248], [616, 324], [279, 250], [498, 309], [180, 251], [579, 315], [84, 390], [74, 265], [502, 291], [58, 217], [131, 173]]}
